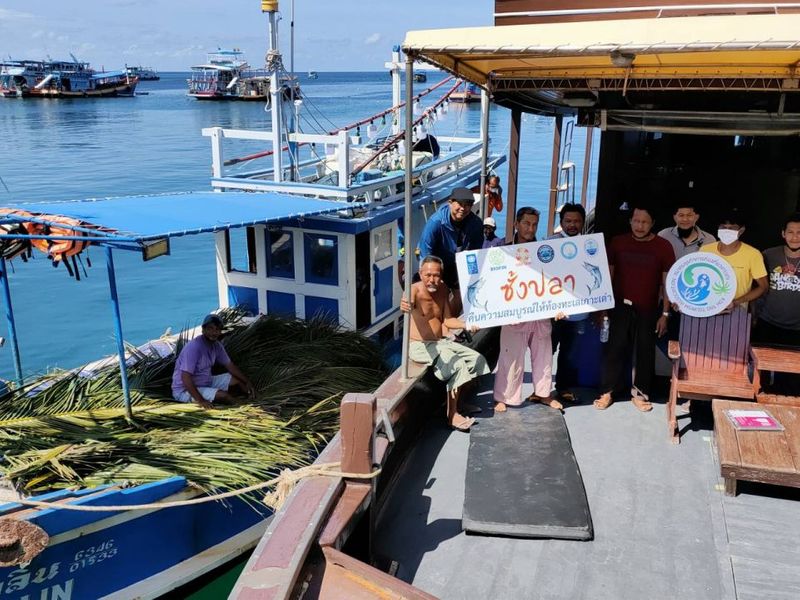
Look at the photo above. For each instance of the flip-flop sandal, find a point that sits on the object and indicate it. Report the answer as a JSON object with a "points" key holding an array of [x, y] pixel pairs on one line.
{"points": [[463, 425], [566, 396], [603, 402], [642, 404]]}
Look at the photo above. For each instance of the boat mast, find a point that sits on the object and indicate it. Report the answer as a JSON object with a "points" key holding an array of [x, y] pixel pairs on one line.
{"points": [[273, 66], [407, 214], [394, 68]]}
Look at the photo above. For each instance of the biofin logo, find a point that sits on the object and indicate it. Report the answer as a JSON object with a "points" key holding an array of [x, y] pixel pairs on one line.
{"points": [[701, 284], [497, 259]]}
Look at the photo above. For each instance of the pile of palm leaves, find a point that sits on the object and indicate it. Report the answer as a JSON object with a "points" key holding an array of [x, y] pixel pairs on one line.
{"points": [[67, 430]]}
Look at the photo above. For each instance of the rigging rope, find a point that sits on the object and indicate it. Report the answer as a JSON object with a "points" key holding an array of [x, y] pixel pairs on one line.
{"points": [[283, 483]]}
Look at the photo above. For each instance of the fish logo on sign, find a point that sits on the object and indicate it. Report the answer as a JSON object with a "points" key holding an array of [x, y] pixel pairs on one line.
{"points": [[596, 276], [472, 294], [701, 284], [472, 264]]}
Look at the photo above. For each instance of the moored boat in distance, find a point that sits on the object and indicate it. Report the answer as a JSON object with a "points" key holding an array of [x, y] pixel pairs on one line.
{"points": [[143, 73], [226, 75], [62, 79], [468, 93], [313, 75]]}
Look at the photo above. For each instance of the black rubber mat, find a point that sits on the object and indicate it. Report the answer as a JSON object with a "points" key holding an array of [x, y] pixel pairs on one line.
{"points": [[522, 478]]}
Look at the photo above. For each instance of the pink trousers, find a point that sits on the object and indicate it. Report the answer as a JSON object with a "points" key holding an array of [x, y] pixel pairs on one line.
{"points": [[514, 341]]}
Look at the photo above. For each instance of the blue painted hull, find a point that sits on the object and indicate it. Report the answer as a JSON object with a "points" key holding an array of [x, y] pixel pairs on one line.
{"points": [[93, 554]]}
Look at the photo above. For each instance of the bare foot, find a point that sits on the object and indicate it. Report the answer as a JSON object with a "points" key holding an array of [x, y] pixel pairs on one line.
{"points": [[500, 407], [551, 402]]}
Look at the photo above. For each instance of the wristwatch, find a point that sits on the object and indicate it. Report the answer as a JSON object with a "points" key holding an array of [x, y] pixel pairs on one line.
{"points": [[665, 314]]}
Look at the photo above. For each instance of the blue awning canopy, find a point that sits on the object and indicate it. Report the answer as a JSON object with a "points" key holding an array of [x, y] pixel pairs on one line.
{"points": [[144, 218]]}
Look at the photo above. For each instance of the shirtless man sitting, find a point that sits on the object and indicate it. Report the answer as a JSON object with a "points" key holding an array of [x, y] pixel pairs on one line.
{"points": [[453, 363]]}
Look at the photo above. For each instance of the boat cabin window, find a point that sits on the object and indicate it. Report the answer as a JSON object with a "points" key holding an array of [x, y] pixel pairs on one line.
{"points": [[321, 258], [240, 244], [280, 254], [383, 244]]}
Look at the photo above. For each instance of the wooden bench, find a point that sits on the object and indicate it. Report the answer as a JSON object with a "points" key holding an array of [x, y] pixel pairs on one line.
{"points": [[780, 360], [709, 361], [762, 456]]}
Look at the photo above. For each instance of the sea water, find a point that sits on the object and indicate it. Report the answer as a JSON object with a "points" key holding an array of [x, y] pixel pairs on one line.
{"points": [[83, 148]]}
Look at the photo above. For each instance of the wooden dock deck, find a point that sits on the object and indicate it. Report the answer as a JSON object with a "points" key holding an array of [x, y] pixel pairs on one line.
{"points": [[664, 528]]}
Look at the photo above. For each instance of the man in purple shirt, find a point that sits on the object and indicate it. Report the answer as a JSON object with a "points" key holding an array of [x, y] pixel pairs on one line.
{"points": [[192, 379]]}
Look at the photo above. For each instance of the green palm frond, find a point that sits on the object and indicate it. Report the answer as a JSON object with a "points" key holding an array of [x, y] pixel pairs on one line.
{"points": [[66, 430]]}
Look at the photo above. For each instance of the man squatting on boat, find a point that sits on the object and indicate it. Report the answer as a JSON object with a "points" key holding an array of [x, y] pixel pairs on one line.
{"points": [[192, 379], [432, 310]]}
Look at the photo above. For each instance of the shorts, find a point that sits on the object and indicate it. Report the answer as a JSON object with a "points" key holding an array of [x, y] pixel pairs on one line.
{"points": [[218, 382]]}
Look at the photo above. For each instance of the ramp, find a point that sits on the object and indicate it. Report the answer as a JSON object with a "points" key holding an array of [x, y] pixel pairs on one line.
{"points": [[522, 478]]}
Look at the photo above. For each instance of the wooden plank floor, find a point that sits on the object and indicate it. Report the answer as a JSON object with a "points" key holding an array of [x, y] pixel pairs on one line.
{"points": [[663, 527]]}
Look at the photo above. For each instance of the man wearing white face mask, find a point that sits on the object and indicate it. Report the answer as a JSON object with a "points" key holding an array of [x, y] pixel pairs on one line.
{"points": [[747, 262]]}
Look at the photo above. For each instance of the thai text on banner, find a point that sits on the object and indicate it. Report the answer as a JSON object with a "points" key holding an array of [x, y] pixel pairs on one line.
{"points": [[528, 282]]}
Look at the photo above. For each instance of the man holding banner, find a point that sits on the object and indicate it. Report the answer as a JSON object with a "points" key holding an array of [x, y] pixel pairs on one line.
{"points": [[515, 340]]}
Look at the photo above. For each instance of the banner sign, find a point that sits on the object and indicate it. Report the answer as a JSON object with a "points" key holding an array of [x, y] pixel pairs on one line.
{"points": [[529, 282], [701, 284]]}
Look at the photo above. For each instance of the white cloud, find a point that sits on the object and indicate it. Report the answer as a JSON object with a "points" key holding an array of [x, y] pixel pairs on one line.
{"points": [[372, 39], [13, 15]]}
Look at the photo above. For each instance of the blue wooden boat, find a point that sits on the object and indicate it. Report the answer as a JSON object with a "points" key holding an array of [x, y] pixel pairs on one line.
{"points": [[62, 79]]}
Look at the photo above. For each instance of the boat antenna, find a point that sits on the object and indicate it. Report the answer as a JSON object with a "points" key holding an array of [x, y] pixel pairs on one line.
{"points": [[291, 45], [274, 66]]}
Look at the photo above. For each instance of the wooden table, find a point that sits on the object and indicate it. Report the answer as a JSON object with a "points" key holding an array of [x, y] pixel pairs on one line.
{"points": [[763, 456], [782, 360]]}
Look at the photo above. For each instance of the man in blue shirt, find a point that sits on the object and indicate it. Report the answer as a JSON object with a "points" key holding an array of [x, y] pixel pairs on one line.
{"points": [[452, 228]]}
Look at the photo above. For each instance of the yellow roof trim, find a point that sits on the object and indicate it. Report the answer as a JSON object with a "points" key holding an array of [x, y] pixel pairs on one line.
{"points": [[740, 46]]}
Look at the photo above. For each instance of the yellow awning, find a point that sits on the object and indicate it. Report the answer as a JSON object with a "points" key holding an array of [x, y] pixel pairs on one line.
{"points": [[742, 47]]}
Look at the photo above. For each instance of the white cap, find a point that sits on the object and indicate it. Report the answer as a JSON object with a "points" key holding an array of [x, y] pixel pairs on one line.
{"points": [[489, 222]]}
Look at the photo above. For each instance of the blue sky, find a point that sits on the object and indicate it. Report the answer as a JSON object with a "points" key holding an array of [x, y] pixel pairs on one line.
{"points": [[172, 35]]}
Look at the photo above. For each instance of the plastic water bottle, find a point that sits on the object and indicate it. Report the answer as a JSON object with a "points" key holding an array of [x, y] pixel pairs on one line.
{"points": [[604, 330]]}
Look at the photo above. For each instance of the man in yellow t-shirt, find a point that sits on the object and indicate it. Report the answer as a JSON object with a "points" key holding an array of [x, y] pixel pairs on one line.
{"points": [[747, 262]]}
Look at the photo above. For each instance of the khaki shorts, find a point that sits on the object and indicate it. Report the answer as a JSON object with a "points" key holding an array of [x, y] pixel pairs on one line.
{"points": [[453, 363]]}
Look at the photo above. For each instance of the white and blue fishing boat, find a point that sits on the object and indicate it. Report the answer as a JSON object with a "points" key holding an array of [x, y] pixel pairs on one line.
{"points": [[226, 75], [62, 79], [315, 231]]}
